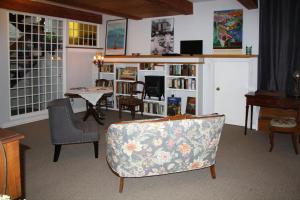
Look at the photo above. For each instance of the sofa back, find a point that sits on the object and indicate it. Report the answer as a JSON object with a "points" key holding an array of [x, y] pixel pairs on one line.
{"points": [[155, 147]]}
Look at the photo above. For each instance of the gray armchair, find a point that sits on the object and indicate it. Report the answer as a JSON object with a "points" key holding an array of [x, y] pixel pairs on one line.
{"points": [[66, 128]]}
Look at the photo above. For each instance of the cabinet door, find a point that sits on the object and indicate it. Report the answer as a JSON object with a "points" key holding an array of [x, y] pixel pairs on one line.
{"points": [[231, 84]]}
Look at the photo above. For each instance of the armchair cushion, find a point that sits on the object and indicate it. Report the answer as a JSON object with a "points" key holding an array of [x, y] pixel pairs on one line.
{"points": [[66, 128]]}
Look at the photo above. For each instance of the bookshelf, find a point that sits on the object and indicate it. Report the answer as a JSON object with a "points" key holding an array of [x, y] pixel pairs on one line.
{"points": [[182, 84], [181, 80]]}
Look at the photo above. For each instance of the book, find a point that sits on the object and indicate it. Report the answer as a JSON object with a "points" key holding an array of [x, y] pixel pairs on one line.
{"points": [[191, 106], [174, 106]]}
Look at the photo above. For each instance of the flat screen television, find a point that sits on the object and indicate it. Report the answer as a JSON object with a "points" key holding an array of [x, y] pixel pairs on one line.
{"points": [[191, 47]]}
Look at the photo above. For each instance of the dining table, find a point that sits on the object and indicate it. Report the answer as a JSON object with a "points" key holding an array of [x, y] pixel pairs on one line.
{"points": [[91, 95]]}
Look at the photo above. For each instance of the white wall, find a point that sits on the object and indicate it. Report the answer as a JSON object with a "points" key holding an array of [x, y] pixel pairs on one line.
{"points": [[80, 72], [191, 27], [4, 78]]}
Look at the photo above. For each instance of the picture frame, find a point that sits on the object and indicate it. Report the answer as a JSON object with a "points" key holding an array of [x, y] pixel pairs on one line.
{"points": [[191, 106], [174, 106], [228, 29], [116, 36]]}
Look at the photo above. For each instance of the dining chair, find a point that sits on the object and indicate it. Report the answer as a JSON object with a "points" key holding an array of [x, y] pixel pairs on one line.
{"points": [[104, 99], [137, 94]]}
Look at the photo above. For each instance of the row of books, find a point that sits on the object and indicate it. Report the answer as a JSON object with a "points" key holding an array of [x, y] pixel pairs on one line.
{"points": [[123, 87], [183, 83], [174, 106], [151, 66], [154, 108], [182, 70], [127, 73], [107, 68]]}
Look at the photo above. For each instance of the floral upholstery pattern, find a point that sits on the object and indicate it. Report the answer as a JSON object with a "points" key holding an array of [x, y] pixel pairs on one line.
{"points": [[142, 148]]}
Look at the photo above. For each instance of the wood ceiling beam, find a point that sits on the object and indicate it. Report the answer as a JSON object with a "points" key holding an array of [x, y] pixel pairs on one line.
{"points": [[249, 4], [50, 10], [180, 6], [85, 5]]}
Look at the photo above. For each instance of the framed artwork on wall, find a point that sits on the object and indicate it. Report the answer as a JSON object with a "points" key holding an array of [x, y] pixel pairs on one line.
{"points": [[162, 36], [116, 34], [228, 29]]}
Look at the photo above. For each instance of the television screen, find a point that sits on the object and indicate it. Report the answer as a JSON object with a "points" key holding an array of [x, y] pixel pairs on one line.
{"points": [[191, 47]]}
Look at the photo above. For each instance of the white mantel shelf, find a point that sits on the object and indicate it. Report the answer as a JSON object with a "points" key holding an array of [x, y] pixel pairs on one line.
{"points": [[196, 59], [182, 56]]}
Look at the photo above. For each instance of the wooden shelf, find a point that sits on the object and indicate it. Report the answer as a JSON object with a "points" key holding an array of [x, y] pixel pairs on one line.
{"points": [[183, 56]]}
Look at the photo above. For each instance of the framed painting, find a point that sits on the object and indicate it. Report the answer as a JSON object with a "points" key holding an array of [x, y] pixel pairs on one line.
{"points": [[228, 29], [116, 33], [162, 36]]}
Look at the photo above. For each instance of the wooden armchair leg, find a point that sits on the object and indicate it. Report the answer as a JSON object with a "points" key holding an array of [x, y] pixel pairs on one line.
{"points": [[213, 171], [56, 152], [121, 184], [132, 109], [96, 147]]}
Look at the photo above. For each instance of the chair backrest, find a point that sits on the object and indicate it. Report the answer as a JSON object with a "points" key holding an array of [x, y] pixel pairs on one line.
{"points": [[61, 119], [138, 88], [102, 82], [185, 143]]}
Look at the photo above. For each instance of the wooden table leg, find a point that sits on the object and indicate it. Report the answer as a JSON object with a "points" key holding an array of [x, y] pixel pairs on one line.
{"points": [[246, 119], [251, 115], [93, 112], [87, 113]]}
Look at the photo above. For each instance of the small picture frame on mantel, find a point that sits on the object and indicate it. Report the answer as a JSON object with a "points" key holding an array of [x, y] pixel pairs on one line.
{"points": [[116, 34]]}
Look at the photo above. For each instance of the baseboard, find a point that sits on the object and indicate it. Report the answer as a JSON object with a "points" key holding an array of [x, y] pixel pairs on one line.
{"points": [[33, 118], [25, 120]]}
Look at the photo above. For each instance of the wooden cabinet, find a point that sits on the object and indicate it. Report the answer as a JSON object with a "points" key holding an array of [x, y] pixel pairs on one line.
{"points": [[10, 141]]}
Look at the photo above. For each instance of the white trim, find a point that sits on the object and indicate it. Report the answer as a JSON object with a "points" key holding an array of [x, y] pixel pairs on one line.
{"points": [[33, 118], [23, 120]]}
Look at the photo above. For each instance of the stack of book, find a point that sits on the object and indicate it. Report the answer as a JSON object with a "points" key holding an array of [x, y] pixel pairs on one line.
{"points": [[123, 87], [107, 68], [182, 70], [154, 108], [183, 83]]}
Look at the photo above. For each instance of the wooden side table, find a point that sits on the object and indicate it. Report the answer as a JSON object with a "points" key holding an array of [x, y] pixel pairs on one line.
{"points": [[269, 100], [11, 143]]}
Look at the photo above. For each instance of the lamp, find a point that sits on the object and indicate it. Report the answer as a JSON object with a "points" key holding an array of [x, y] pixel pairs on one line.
{"points": [[98, 61], [296, 76]]}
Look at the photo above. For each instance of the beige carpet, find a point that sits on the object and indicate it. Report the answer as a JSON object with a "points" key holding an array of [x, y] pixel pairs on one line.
{"points": [[245, 170]]}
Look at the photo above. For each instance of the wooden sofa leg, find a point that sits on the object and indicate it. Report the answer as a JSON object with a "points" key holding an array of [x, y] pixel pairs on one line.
{"points": [[213, 171], [121, 185], [96, 147]]}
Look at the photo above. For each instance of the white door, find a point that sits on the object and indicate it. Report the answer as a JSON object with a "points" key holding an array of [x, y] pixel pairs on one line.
{"points": [[231, 85]]}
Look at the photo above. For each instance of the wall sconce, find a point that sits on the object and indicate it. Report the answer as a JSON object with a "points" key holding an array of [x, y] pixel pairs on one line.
{"points": [[98, 61]]}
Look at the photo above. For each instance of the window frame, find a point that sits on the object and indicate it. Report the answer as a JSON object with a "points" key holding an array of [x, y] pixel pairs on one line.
{"points": [[83, 45], [59, 66]]}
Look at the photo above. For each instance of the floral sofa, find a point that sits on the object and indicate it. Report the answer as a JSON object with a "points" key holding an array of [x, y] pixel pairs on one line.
{"points": [[162, 146]]}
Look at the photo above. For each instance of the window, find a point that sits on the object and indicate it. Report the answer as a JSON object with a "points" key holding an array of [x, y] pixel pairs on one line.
{"points": [[36, 62], [82, 34]]}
